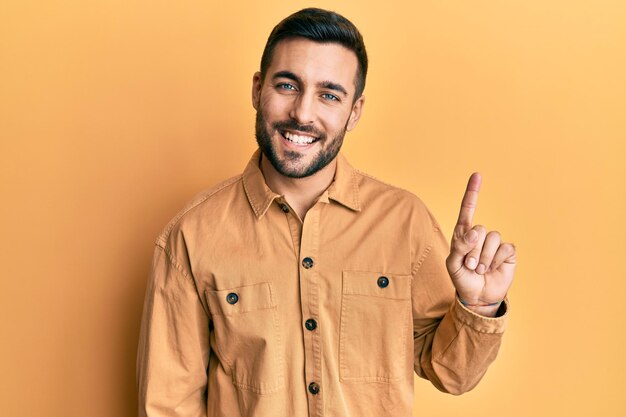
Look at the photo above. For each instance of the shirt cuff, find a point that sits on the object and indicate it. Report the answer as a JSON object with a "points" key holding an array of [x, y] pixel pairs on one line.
{"points": [[481, 323]]}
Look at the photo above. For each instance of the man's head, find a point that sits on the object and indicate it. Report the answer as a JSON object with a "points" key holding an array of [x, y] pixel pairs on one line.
{"points": [[320, 26], [309, 90]]}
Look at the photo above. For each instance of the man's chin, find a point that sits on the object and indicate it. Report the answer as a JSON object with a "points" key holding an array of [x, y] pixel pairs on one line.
{"points": [[291, 170]]}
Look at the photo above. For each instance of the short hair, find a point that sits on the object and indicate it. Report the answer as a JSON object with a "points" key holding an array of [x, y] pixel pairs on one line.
{"points": [[321, 26]]}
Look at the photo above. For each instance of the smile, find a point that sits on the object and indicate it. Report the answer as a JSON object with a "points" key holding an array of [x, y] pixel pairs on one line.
{"points": [[298, 139]]}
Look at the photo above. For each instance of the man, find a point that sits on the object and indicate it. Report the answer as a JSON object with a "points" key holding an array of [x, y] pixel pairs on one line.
{"points": [[304, 287]]}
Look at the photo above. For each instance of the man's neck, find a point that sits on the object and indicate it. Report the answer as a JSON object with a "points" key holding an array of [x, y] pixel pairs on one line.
{"points": [[300, 193]]}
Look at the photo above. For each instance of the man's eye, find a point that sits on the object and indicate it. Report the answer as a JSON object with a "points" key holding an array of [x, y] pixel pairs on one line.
{"points": [[329, 96], [286, 86]]}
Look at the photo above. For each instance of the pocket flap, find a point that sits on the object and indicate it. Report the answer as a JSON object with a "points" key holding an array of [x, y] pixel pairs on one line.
{"points": [[396, 286], [248, 298]]}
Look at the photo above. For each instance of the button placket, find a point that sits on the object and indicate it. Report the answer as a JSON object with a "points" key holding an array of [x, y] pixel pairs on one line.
{"points": [[309, 296]]}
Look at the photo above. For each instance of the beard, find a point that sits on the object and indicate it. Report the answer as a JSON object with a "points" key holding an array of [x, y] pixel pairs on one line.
{"points": [[292, 166]]}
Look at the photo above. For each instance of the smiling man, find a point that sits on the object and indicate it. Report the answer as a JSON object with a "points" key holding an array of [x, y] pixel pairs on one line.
{"points": [[304, 287], [305, 101]]}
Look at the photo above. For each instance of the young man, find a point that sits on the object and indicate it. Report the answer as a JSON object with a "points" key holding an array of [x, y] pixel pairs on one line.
{"points": [[304, 287]]}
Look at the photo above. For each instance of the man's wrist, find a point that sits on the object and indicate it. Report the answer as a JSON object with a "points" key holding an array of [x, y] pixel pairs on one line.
{"points": [[495, 309], [486, 311]]}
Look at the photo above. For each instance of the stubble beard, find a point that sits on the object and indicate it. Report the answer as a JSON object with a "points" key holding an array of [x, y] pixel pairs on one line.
{"points": [[289, 167]]}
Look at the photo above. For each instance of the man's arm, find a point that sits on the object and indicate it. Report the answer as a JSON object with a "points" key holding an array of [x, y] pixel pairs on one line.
{"points": [[453, 346], [454, 353], [173, 352]]}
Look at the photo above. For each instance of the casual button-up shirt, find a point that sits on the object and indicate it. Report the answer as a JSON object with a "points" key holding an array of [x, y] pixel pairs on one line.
{"points": [[252, 311]]}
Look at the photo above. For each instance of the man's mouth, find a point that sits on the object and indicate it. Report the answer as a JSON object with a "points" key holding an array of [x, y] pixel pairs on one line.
{"points": [[298, 139]]}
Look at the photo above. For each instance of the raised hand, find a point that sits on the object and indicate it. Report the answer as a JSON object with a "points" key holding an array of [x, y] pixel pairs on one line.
{"points": [[480, 264]]}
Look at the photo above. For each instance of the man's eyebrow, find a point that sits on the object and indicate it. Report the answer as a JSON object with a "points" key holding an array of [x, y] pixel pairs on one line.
{"points": [[333, 86], [322, 84], [287, 74]]}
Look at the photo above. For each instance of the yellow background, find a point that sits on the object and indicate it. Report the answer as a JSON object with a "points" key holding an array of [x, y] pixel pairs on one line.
{"points": [[114, 113]]}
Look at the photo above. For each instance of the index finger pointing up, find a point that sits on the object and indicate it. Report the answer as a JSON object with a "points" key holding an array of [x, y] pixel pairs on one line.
{"points": [[470, 200]]}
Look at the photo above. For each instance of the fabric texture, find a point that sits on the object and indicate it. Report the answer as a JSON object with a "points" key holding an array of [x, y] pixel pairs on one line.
{"points": [[250, 311]]}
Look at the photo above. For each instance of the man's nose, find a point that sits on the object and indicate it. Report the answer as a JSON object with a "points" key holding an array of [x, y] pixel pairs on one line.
{"points": [[303, 109]]}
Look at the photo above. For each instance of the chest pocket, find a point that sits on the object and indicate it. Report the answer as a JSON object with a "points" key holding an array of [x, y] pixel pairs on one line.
{"points": [[247, 336], [375, 313]]}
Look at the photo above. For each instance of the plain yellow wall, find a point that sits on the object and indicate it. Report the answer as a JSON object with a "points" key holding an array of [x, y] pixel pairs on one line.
{"points": [[114, 113]]}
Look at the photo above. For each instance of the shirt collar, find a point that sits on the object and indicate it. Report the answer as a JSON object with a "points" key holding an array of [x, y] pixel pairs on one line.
{"points": [[344, 189]]}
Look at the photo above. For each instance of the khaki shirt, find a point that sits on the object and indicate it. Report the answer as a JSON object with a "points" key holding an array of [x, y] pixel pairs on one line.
{"points": [[251, 311]]}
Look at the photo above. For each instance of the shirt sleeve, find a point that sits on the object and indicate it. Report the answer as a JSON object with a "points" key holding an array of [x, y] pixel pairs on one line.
{"points": [[453, 346], [173, 348]]}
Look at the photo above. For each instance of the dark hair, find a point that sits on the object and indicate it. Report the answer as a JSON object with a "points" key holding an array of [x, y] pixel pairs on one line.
{"points": [[321, 26]]}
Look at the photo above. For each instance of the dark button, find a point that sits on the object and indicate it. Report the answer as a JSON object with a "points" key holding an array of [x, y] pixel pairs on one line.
{"points": [[314, 388], [307, 263], [232, 298], [285, 208], [310, 324], [383, 282]]}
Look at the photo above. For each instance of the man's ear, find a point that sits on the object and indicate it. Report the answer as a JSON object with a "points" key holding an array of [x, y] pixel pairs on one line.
{"points": [[355, 114], [256, 90]]}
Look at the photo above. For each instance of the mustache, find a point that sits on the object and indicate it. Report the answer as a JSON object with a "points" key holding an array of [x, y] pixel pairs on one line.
{"points": [[293, 125]]}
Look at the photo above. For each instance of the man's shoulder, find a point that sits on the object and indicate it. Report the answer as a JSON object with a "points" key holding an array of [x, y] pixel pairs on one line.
{"points": [[372, 188], [400, 206], [215, 196]]}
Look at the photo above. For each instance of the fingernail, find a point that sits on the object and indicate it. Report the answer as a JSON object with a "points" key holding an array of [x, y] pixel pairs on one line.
{"points": [[471, 263], [480, 269]]}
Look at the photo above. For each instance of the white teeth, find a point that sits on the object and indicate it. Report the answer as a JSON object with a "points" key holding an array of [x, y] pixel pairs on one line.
{"points": [[300, 140]]}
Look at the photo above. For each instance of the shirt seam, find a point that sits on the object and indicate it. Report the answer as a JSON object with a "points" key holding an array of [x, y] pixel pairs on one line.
{"points": [[355, 188], [365, 174], [162, 238], [421, 260], [174, 262], [186, 275], [434, 229]]}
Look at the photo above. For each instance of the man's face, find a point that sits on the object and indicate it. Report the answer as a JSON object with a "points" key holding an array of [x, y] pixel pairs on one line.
{"points": [[305, 105]]}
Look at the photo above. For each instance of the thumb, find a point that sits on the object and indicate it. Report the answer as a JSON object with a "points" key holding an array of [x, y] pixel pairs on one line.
{"points": [[461, 245]]}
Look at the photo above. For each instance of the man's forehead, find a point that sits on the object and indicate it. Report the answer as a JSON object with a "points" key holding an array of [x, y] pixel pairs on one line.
{"points": [[314, 60]]}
